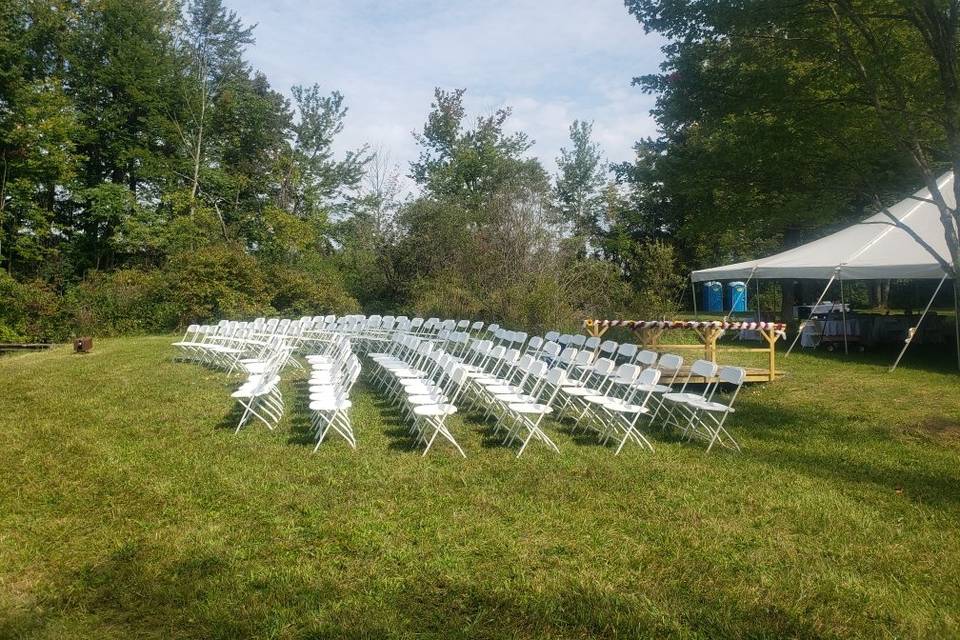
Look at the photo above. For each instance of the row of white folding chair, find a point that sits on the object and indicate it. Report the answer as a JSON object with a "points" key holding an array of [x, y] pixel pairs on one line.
{"points": [[260, 394], [200, 344], [228, 342], [332, 376], [617, 411], [424, 382], [517, 389], [607, 384], [524, 412], [702, 414]]}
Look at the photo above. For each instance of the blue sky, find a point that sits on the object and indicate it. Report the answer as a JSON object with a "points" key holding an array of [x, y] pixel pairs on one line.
{"points": [[551, 62]]}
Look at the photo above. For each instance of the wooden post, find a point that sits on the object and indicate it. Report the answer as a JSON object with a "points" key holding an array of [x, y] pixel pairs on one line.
{"points": [[770, 335], [593, 327], [710, 335]]}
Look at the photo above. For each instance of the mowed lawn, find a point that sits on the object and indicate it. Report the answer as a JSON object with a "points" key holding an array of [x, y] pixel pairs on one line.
{"points": [[128, 508]]}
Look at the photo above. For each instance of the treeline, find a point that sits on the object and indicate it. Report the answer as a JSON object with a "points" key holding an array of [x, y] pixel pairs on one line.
{"points": [[149, 177]]}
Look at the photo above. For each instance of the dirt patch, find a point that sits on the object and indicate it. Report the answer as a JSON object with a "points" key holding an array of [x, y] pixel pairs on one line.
{"points": [[940, 428]]}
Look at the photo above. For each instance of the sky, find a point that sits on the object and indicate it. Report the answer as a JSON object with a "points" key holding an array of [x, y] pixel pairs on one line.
{"points": [[552, 62]]}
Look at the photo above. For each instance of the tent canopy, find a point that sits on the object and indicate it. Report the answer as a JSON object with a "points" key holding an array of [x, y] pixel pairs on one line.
{"points": [[876, 248]]}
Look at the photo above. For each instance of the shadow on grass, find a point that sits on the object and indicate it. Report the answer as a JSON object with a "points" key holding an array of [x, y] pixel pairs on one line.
{"points": [[928, 358], [843, 453], [140, 591]]}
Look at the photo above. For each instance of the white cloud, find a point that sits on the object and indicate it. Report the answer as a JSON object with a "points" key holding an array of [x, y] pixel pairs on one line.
{"points": [[551, 62]]}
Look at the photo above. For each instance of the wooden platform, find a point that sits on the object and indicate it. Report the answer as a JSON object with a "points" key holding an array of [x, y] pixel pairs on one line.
{"points": [[754, 374], [24, 346]]}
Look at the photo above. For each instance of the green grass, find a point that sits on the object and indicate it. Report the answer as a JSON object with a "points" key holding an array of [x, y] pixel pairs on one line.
{"points": [[129, 509]]}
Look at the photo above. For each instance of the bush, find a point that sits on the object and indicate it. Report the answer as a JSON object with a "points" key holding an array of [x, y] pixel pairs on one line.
{"points": [[28, 311], [296, 292], [216, 282], [656, 279], [129, 301]]}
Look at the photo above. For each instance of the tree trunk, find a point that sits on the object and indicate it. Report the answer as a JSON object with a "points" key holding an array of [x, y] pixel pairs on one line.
{"points": [[194, 187]]}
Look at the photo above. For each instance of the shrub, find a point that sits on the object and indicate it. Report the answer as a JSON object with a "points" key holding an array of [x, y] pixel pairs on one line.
{"points": [[216, 282], [123, 302], [657, 280], [297, 292], [28, 311]]}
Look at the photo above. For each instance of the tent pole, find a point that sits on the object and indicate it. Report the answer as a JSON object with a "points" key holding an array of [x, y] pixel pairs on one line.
{"points": [[912, 332], [804, 322], [746, 287], [758, 299], [843, 313], [693, 291], [956, 318]]}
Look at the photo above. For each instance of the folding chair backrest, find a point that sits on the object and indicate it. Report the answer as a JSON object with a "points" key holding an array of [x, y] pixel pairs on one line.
{"points": [[592, 343], [555, 378], [626, 352], [607, 348], [603, 367], [476, 326], [551, 336], [536, 368], [550, 350], [704, 369], [578, 341], [583, 359], [646, 358], [567, 356], [732, 375], [565, 339], [649, 377], [670, 363], [626, 374]]}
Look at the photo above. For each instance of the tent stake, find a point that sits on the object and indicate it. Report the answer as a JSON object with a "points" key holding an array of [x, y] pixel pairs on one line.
{"points": [[912, 332], [803, 324]]}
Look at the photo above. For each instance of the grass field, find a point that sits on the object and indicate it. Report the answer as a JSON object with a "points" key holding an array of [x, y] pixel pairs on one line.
{"points": [[129, 509]]}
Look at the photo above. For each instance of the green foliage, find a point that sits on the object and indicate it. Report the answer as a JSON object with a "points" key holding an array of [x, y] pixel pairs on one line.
{"points": [[28, 310], [579, 184], [657, 280], [469, 166], [218, 281], [128, 301], [309, 291], [782, 119]]}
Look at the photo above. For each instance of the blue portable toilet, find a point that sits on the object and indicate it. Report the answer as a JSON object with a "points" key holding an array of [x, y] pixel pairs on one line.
{"points": [[712, 296], [736, 297]]}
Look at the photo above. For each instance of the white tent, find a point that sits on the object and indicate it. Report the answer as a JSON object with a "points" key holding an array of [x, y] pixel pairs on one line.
{"points": [[905, 241], [877, 248]]}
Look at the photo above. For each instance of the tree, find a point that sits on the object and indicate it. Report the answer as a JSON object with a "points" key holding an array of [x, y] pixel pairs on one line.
{"points": [[314, 180], [212, 40], [581, 176], [122, 79], [38, 130], [470, 165], [850, 73]]}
